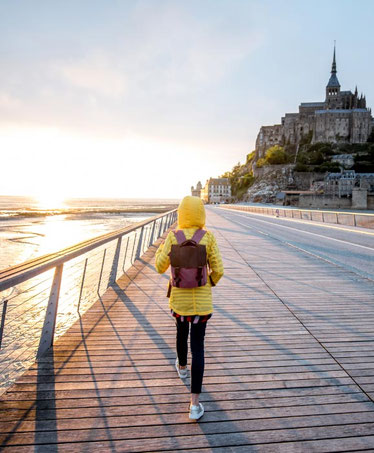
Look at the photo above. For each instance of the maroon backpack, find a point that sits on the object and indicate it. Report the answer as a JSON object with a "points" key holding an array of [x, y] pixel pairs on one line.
{"points": [[188, 261]]}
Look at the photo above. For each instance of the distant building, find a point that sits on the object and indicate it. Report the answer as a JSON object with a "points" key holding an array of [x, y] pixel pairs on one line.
{"points": [[366, 181], [196, 192], [342, 184], [341, 118], [344, 160], [216, 190]]}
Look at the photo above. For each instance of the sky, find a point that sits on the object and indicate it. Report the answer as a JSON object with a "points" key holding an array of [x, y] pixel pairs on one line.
{"points": [[144, 98]]}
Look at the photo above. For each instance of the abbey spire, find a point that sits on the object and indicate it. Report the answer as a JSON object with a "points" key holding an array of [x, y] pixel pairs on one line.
{"points": [[333, 86], [333, 67]]}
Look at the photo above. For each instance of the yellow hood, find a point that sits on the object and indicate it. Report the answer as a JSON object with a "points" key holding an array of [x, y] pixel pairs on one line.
{"points": [[191, 213]]}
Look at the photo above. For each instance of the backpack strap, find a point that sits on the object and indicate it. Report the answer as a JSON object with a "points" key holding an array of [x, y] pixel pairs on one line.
{"points": [[199, 234], [180, 236]]}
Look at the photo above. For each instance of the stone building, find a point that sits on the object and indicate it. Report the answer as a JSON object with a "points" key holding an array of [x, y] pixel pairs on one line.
{"points": [[342, 184], [341, 118], [196, 192], [344, 160], [216, 190]]}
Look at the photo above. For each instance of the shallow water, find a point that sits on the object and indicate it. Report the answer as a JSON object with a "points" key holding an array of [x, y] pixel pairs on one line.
{"points": [[24, 238]]}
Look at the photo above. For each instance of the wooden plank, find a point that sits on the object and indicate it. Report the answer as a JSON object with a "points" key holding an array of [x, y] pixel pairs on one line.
{"points": [[201, 436]]}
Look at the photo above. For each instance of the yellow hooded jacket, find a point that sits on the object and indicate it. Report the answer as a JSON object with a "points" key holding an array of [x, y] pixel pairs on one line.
{"points": [[192, 301]]}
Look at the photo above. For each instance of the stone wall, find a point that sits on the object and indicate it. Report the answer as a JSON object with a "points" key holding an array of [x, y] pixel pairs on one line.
{"points": [[359, 198], [267, 169], [328, 202], [321, 201], [304, 180]]}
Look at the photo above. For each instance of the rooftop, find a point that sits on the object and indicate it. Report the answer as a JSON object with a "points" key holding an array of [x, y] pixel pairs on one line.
{"points": [[312, 104], [333, 82], [320, 112], [223, 181]]}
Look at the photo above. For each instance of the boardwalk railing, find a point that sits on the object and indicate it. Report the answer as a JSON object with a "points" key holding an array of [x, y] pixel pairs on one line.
{"points": [[341, 218], [47, 294]]}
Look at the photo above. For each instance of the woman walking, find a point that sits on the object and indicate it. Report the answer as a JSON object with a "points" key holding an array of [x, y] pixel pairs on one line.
{"points": [[190, 303]]}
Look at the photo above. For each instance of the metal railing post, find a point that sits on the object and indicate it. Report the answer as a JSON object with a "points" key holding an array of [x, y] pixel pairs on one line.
{"points": [[101, 272], [125, 255], [82, 284], [133, 247], [166, 223], [145, 242], [152, 238], [5, 304], [139, 248], [48, 331], [113, 271]]}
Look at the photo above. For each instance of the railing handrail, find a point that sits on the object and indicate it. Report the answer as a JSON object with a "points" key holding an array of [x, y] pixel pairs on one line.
{"points": [[362, 220], [295, 208], [17, 274]]}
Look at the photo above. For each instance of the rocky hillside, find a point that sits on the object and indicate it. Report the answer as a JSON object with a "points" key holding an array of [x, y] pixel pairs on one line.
{"points": [[266, 186], [288, 167]]}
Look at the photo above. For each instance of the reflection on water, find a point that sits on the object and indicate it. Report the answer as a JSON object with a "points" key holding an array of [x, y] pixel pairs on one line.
{"points": [[23, 239]]}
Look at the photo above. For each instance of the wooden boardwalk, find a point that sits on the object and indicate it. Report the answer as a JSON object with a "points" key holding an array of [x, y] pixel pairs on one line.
{"points": [[289, 363]]}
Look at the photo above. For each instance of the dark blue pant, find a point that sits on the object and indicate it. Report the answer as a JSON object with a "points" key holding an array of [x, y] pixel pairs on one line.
{"points": [[197, 350]]}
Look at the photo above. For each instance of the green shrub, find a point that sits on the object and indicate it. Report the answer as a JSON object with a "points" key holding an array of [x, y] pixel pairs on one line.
{"points": [[307, 138], [302, 158], [301, 167], [327, 166], [327, 151], [316, 158], [276, 155], [250, 156], [261, 162], [319, 145]]}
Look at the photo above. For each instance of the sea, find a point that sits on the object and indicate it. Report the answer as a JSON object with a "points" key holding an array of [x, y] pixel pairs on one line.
{"points": [[30, 227]]}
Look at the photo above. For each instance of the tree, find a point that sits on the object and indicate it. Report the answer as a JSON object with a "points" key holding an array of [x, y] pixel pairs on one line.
{"points": [[276, 155], [301, 167], [261, 162], [333, 167], [250, 156]]}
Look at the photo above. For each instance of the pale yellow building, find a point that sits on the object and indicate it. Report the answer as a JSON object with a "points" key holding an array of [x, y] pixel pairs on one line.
{"points": [[216, 190]]}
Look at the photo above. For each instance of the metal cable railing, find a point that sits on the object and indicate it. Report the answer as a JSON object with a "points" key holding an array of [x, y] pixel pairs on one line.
{"points": [[41, 298]]}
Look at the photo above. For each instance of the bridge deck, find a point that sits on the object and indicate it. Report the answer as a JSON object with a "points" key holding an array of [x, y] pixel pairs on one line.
{"points": [[289, 363]]}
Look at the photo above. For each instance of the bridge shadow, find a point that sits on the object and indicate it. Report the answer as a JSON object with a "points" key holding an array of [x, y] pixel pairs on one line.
{"points": [[270, 417], [42, 417], [39, 409]]}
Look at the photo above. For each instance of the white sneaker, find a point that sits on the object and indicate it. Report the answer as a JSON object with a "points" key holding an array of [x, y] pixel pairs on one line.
{"points": [[182, 372], [196, 412]]}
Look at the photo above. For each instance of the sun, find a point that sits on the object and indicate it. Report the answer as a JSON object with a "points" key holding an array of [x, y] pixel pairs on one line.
{"points": [[50, 201]]}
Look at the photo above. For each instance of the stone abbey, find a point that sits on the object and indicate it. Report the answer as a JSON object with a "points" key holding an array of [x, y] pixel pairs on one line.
{"points": [[341, 118]]}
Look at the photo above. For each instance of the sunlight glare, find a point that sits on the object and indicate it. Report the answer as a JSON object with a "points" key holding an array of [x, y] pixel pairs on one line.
{"points": [[50, 201]]}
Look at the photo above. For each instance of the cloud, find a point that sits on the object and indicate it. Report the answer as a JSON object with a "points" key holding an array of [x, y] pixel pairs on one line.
{"points": [[161, 50], [9, 102], [160, 70], [95, 72]]}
